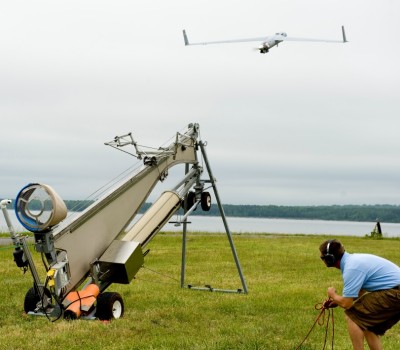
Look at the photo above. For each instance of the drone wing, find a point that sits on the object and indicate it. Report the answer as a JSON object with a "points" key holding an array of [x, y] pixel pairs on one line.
{"points": [[186, 40], [318, 40]]}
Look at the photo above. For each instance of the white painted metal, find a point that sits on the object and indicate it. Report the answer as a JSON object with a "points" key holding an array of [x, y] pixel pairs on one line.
{"points": [[154, 218]]}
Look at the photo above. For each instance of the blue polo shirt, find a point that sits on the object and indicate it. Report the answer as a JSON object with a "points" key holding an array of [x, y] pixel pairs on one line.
{"points": [[368, 272]]}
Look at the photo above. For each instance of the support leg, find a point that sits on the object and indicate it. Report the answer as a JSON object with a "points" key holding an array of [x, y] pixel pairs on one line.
{"points": [[183, 264], [221, 210]]}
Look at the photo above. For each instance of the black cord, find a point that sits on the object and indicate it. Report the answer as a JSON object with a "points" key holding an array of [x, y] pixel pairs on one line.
{"points": [[44, 262], [41, 296], [158, 273]]}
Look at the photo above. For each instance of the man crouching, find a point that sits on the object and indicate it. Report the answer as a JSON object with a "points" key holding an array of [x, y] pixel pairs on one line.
{"points": [[371, 293]]}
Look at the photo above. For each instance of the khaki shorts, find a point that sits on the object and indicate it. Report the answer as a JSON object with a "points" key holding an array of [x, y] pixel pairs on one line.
{"points": [[376, 311]]}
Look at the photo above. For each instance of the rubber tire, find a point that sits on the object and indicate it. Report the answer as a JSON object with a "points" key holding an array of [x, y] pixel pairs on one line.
{"points": [[109, 306], [32, 298], [205, 201]]}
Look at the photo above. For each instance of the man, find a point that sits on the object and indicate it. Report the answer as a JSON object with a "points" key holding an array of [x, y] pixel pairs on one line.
{"points": [[371, 293]]}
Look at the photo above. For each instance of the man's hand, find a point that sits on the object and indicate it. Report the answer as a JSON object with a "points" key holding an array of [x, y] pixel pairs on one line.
{"points": [[343, 302], [329, 304], [332, 293]]}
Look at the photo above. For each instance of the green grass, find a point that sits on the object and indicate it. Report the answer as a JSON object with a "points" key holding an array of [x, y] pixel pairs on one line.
{"points": [[284, 275]]}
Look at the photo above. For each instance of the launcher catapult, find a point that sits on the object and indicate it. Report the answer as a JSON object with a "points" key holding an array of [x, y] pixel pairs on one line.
{"points": [[85, 254]]}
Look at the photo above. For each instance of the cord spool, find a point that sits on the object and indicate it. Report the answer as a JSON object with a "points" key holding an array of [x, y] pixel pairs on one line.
{"points": [[38, 207]]}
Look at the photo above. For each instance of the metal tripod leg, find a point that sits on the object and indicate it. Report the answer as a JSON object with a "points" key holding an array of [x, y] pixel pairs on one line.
{"points": [[184, 229], [228, 233]]}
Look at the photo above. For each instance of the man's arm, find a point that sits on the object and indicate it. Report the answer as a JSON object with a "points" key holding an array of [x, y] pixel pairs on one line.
{"points": [[343, 302]]}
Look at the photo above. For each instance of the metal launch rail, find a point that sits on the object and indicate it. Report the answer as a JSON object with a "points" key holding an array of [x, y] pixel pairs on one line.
{"points": [[83, 255]]}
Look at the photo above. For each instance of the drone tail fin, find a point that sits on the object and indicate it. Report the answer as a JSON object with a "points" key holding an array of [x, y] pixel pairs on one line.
{"points": [[185, 38], [344, 35]]}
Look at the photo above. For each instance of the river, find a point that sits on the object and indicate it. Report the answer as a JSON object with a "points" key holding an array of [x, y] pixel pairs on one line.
{"points": [[262, 225]]}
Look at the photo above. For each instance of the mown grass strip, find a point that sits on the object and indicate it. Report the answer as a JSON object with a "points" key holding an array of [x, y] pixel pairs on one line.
{"points": [[285, 278]]}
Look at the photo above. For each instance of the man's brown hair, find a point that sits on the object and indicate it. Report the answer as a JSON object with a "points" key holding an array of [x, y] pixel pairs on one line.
{"points": [[336, 248]]}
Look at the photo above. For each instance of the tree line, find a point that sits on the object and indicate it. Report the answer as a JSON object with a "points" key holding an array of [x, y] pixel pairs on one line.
{"points": [[367, 213], [384, 213]]}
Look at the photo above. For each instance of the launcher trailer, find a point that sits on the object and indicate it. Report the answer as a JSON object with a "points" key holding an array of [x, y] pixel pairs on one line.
{"points": [[86, 253]]}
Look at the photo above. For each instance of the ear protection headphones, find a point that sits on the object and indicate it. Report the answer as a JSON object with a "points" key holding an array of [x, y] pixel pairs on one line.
{"points": [[328, 257]]}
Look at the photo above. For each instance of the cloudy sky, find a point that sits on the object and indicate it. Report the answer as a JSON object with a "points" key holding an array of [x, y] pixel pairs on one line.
{"points": [[306, 124]]}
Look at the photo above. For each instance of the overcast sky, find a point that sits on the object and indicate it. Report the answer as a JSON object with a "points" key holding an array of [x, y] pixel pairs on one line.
{"points": [[305, 124]]}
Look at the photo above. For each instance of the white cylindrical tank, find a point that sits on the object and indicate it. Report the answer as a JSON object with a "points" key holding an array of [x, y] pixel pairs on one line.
{"points": [[154, 219]]}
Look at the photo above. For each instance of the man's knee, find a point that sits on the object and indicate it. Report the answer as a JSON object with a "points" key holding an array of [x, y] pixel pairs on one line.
{"points": [[352, 326], [348, 319]]}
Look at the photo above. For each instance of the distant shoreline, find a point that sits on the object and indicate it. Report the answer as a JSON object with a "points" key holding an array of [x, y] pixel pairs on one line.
{"points": [[360, 213]]}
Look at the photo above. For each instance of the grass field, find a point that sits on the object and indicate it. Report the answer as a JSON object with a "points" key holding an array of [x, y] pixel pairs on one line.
{"points": [[284, 275]]}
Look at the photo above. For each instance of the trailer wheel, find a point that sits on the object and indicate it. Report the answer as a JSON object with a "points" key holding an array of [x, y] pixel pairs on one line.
{"points": [[109, 306], [32, 298], [205, 201]]}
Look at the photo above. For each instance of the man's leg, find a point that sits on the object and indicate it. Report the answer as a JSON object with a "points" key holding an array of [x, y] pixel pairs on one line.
{"points": [[356, 334], [373, 340]]}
